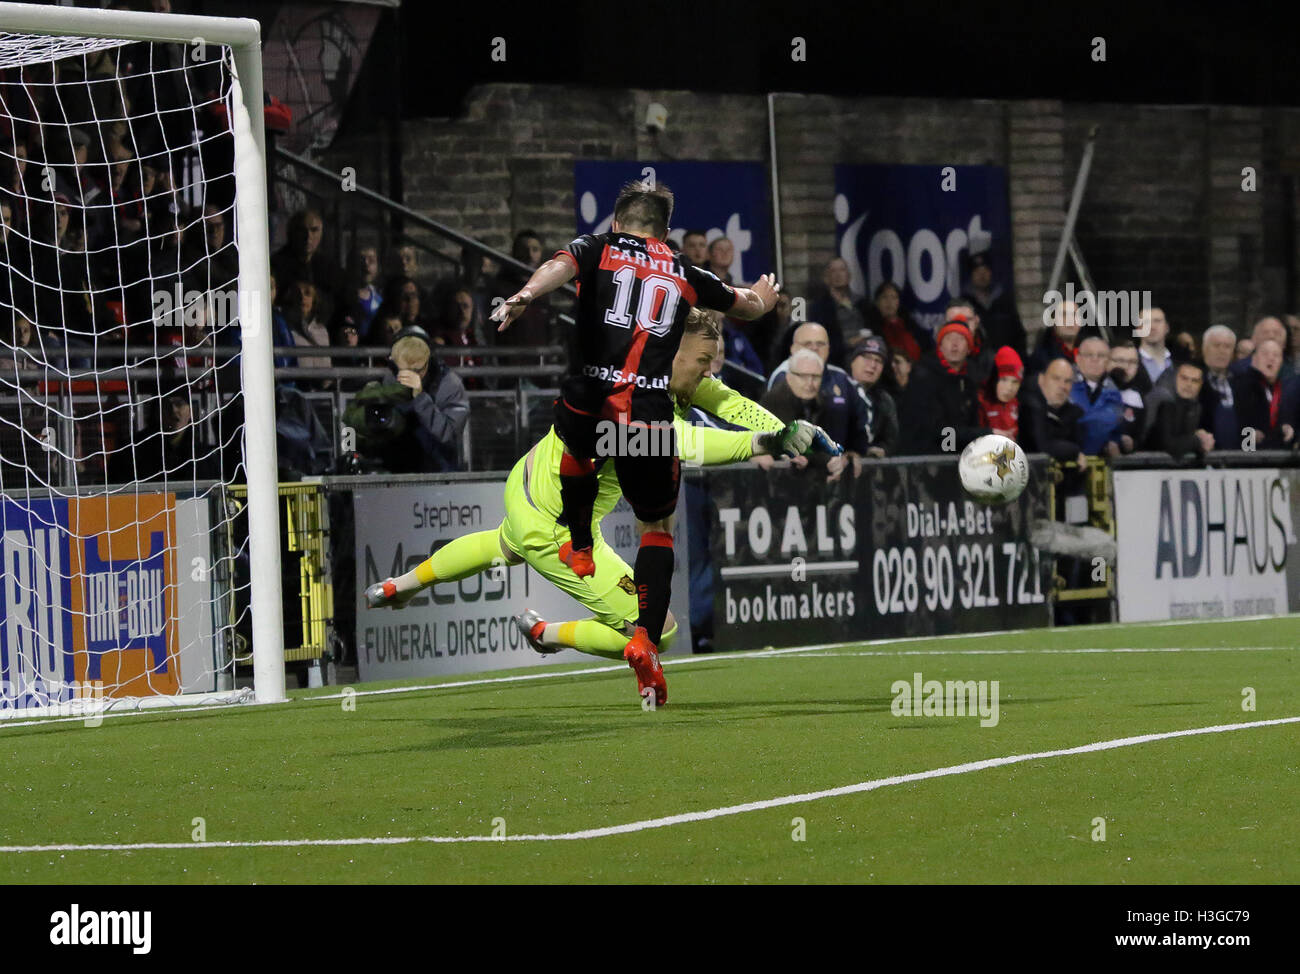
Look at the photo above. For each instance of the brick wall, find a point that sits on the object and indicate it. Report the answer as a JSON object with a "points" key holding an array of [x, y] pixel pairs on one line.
{"points": [[1164, 210]]}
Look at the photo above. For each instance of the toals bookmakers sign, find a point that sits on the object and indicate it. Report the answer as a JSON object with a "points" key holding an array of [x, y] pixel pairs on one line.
{"points": [[899, 551]]}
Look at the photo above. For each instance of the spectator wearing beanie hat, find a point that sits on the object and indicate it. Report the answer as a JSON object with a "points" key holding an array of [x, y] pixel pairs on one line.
{"points": [[980, 361], [999, 398], [870, 366], [940, 402]]}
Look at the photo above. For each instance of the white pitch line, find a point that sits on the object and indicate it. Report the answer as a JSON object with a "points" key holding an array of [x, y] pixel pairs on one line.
{"points": [[645, 825]]}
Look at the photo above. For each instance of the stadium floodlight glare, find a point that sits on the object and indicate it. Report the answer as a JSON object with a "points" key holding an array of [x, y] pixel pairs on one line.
{"points": [[124, 125]]}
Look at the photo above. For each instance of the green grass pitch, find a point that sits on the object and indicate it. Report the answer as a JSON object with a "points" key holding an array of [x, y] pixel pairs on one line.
{"points": [[570, 752]]}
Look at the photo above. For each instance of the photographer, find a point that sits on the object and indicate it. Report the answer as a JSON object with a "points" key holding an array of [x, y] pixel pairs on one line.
{"points": [[413, 423]]}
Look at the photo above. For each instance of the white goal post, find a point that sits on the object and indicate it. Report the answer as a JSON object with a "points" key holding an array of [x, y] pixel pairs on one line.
{"points": [[243, 101]]}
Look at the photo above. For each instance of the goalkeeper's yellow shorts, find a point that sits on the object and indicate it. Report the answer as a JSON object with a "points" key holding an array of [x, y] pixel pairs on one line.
{"points": [[610, 593]]}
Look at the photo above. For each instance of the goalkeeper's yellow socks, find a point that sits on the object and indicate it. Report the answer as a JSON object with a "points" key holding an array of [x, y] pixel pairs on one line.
{"points": [[594, 638], [467, 555]]}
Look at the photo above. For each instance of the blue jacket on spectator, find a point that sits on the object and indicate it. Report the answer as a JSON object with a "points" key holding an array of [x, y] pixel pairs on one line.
{"points": [[739, 350], [1102, 421]]}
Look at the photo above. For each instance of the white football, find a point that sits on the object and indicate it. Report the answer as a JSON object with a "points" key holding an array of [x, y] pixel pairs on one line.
{"points": [[993, 469]]}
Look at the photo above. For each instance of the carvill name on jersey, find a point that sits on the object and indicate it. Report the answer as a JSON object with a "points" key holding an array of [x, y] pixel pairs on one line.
{"points": [[666, 265]]}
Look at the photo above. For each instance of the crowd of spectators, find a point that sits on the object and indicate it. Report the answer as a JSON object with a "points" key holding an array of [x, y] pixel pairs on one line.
{"points": [[101, 219], [883, 385], [111, 243]]}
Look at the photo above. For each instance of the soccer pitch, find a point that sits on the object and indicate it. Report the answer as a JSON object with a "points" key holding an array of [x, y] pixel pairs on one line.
{"points": [[776, 767]]}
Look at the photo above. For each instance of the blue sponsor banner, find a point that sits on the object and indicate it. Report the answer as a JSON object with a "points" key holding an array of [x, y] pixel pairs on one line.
{"points": [[917, 226], [87, 595], [721, 198], [36, 631]]}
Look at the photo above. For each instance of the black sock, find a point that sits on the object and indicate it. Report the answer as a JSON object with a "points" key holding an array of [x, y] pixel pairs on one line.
{"points": [[654, 581], [579, 486]]}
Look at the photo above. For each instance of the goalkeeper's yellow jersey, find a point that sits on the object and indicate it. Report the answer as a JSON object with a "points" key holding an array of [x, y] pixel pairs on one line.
{"points": [[702, 445]]}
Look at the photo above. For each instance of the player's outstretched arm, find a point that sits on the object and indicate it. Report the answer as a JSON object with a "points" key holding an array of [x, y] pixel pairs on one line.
{"points": [[705, 446], [772, 436], [555, 273], [716, 397], [754, 302]]}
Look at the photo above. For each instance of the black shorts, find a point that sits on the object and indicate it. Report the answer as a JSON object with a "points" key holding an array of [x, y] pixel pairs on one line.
{"points": [[644, 457]]}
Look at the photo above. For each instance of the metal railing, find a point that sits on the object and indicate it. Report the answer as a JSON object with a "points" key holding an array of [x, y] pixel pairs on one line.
{"points": [[346, 216], [50, 404]]}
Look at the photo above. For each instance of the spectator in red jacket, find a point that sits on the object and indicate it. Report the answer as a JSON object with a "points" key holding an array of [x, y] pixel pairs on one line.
{"points": [[999, 397], [885, 317]]}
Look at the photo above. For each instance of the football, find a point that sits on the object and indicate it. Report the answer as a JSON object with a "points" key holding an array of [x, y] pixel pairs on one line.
{"points": [[993, 469]]}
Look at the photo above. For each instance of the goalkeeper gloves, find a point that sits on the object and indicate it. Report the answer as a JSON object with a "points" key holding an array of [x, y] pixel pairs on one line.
{"points": [[797, 439]]}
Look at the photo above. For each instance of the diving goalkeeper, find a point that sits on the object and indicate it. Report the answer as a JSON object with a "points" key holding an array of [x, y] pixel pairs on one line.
{"points": [[530, 534]]}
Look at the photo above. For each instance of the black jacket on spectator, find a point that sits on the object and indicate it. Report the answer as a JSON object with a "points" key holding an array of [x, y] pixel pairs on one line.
{"points": [[1048, 349], [1219, 414], [1134, 403], [832, 411], [1000, 321], [1173, 425], [320, 270], [980, 363], [882, 419], [937, 398], [1249, 392], [1048, 429], [156, 455], [842, 324]]}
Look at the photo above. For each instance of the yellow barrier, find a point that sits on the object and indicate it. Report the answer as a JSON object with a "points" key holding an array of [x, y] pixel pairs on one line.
{"points": [[1101, 514], [304, 521]]}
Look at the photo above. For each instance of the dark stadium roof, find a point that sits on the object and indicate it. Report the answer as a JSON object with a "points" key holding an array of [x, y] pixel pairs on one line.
{"points": [[1154, 53]]}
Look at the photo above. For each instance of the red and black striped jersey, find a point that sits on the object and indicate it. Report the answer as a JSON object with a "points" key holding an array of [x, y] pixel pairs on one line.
{"points": [[634, 295]]}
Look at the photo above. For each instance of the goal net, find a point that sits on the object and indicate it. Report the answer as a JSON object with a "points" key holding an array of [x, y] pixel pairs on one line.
{"points": [[139, 547]]}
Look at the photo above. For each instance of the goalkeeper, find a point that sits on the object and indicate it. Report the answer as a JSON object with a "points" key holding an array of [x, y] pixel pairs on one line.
{"points": [[530, 534]]}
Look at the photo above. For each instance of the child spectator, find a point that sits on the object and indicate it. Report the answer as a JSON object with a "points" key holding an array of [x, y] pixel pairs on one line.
{"points": [[999, 397]]}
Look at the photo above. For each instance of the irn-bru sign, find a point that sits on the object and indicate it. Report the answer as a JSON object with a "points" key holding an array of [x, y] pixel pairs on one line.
{"points": [[88, 596]]}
